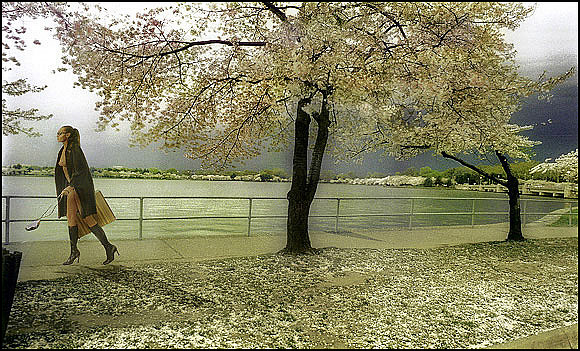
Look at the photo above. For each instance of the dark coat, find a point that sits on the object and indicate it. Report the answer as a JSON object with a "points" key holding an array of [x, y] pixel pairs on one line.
{"points": [[80, 179]]}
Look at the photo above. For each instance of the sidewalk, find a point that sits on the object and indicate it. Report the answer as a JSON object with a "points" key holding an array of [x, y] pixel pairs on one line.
{"points": [[561, 338], [43, 259]]}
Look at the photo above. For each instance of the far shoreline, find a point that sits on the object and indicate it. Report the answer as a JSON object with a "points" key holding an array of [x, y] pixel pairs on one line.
{"points": [[403, 182]]}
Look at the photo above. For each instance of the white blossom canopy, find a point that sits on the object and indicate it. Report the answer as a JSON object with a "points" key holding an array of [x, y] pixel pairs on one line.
{"points": [[395, 75], [566, 166]]}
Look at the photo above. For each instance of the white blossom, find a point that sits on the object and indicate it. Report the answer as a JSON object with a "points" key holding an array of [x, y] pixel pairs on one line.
{"points": [[566, 166]]}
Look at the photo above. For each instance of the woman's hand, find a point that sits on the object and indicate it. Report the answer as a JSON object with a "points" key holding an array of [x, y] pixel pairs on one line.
{"points": [[67, 190]]}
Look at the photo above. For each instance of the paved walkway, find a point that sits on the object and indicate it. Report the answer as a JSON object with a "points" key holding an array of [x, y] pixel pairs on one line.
{"points": [[43, 259], [561, 338]]}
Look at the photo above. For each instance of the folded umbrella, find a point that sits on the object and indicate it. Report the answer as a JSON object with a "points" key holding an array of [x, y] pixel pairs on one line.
{"points": [[35, 224]]}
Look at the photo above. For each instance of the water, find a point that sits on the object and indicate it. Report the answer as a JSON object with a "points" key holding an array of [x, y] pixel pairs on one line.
{"points": [[386, 214]]}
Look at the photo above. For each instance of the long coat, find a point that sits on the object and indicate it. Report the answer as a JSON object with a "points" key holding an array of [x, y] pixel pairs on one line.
{"points": [[80, 179]]}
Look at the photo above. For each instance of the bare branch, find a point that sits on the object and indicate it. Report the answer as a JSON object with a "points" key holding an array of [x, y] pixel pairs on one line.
{"points": [[390, 17], [276, 11], [476, 169], [187, 46]]}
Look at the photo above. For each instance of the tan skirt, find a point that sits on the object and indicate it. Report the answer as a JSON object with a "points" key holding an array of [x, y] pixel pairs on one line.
{"points": [[103, 216]]}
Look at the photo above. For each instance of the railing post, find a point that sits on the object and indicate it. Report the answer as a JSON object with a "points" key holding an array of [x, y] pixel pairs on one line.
{"points": [[7, 223], [250, 216], [140, 218], [337, 213], [472, 213], [411, 216], [524, 207]]}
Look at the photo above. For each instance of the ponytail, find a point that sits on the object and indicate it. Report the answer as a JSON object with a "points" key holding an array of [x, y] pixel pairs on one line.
{"points": [[75, 137]]}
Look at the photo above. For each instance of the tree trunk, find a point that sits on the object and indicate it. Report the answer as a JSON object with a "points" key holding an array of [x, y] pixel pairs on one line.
{"points": [[304, 185], [515, 232], [297, 238]]}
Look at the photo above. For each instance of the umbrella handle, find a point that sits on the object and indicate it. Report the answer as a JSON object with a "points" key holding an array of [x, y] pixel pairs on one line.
{"points": [[36, 223], [58, 198]]}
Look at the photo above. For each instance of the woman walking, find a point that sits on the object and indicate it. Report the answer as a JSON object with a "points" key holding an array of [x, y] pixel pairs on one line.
{"points": [[75, 185]]}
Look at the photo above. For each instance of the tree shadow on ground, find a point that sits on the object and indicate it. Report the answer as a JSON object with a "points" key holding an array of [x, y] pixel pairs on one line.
{"points": [[352, 234]]}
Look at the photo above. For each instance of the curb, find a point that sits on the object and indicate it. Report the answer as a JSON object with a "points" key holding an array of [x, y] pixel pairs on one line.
{"points": [[561, 338]]}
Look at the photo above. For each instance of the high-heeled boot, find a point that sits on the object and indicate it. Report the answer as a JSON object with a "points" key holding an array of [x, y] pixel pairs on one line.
{"points": [[75, 254], [110, 249]]}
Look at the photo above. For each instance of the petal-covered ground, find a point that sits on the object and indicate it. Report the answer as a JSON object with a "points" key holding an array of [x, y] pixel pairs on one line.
{"points": [[465, 296]]}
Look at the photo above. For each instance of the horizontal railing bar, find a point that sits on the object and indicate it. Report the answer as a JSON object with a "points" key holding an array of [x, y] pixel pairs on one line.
{"points": [[29, 220], [367, 215], [65, 220], [194, 217], [197, 197], [553, 214], [443, 198], [150, 197], [418, 213], [457, 213], [411, 197], [311, 216], [284, 198], [546, 200]]}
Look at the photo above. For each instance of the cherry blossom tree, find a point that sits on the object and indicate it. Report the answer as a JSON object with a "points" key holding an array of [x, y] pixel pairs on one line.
{"points": [[13, 31], [466, 99], [223, 83], [565, 166]]}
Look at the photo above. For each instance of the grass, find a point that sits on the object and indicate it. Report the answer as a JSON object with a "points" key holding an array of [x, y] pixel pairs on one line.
{"points": [[564, 220]]}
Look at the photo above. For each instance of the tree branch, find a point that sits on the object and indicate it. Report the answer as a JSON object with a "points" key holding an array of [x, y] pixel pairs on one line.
{"points": [[472, 167], [189, 45], [506, 167], [422, 147], [387, 15], [276, 11]]}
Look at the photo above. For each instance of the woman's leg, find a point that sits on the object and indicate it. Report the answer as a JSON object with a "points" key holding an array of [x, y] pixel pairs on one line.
{"points": [[91, 222], [75, 254], [73, 230], [71, 209], [110, 249]]}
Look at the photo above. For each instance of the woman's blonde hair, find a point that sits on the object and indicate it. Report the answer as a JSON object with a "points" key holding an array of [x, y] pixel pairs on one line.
{"points": [[75, 137]]}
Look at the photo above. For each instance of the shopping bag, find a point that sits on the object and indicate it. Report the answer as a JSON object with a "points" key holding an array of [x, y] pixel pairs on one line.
{"points": [[103, 217]]}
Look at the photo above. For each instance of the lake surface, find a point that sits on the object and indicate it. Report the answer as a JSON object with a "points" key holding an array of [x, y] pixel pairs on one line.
{"points": [[384, 213]]}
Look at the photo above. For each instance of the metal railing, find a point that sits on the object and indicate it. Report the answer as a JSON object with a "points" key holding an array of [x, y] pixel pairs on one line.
{"points": [[523, 203]]}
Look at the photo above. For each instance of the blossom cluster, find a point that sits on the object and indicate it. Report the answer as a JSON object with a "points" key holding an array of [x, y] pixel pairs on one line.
{"points": [[566, 166]]}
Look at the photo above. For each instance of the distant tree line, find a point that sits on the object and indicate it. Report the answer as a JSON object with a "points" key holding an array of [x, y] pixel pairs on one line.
{"points": [[127, 172], [464, 175], [457, 175]]}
